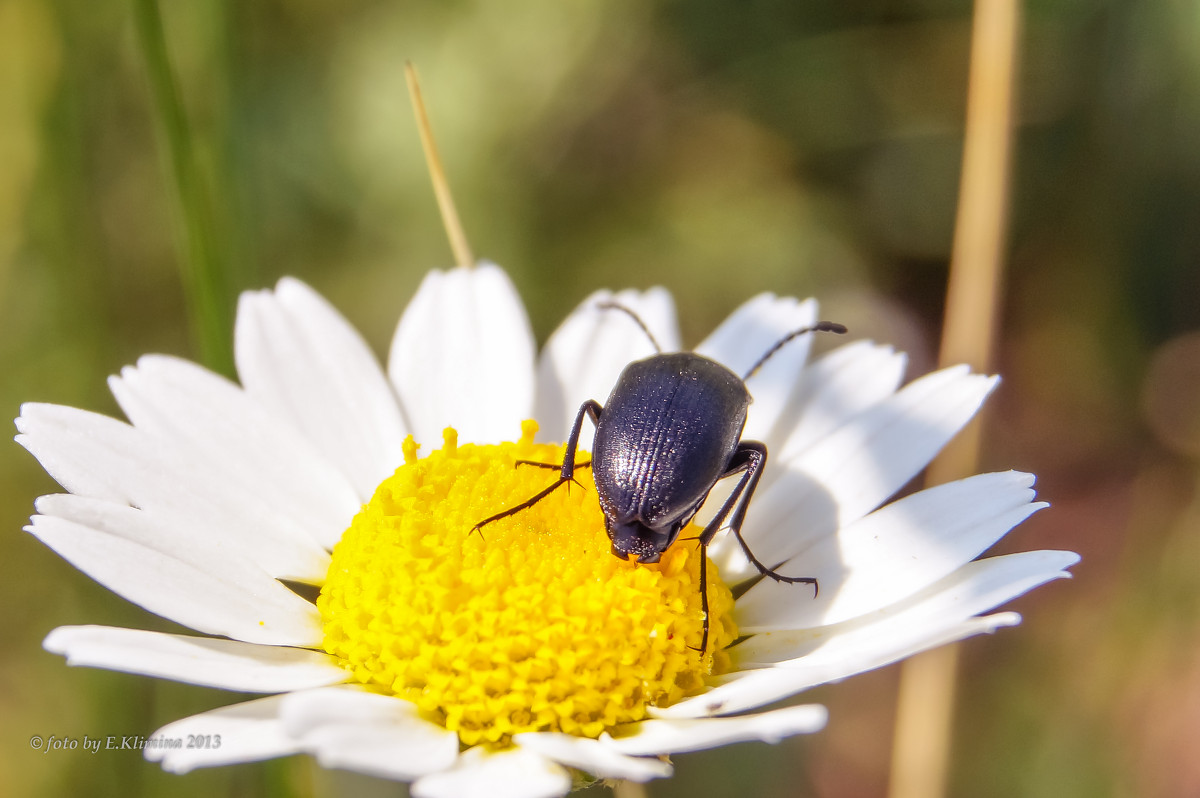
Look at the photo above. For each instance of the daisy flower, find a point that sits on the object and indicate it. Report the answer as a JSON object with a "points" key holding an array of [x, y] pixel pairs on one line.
{"points": [[523, 659]]}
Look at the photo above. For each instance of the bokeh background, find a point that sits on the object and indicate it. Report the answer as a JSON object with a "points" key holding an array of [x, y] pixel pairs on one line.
{"points": [[719, 149]]}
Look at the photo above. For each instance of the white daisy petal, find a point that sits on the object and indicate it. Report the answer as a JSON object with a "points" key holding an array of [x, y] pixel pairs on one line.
{"points": [[677, 736], [853, 470], [515, 773], [816, 656], [747, 690], [593, 756], [757, 325], [588, 351], [247, 732], [299, 358], [369, 733], [894, 552], [863, 463], [227, 664], [181, 577], [219, 426], [746, 336], [94, 455], [462, 356], [833, 389], [972, 590]]}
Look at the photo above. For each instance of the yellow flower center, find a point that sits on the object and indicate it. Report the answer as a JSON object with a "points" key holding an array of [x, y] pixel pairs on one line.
{"points": [[530, 624]]}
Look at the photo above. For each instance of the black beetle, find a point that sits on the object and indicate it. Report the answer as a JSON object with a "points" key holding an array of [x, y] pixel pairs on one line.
{"points": [[671, 429]]}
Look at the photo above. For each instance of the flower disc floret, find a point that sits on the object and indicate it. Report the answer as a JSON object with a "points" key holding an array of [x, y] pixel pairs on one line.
{"points": [[530, 624]]}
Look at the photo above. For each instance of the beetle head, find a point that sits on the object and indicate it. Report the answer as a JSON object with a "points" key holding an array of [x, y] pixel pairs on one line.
{"points": [[645, 543]]}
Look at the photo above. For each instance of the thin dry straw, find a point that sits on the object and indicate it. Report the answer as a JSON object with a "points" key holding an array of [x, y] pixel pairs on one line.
{"points": [[441, 188], [628, 789], [921, 747]]}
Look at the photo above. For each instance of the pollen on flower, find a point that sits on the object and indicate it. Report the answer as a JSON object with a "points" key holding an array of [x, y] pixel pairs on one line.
{"points": [[530, 624]]}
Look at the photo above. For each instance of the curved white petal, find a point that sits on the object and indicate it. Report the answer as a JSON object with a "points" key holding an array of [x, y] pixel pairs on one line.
{"points": [[853, 470], [206, 661], [748, 334], [798, 659], [975, 588], [593, 756], [462, 356], [515, 773], [676, 736], [181, 577], [369, 733], [755, 688], [217, 425], [833, 389], [247, 732], [94, 455], [894, 552], [590, 349], [299, 358]]}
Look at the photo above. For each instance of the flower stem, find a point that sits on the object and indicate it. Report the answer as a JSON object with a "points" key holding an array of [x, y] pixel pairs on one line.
{"points": [[920, 752], [202, 267]]}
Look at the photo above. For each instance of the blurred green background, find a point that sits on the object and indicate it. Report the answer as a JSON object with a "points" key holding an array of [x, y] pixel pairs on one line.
{"points": [[719, 149]]}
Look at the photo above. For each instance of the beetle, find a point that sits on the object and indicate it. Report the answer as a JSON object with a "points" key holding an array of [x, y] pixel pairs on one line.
{"points": [[670, 430]]}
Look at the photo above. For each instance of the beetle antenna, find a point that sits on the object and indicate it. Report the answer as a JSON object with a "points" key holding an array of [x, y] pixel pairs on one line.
{"points": [[611, 305], [821, 326]]}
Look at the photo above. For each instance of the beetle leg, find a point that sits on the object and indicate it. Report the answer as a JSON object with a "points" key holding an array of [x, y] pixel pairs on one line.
{"points": [[525, 505], [555, 466], [750, 457], [590, 408], [744, 459], [703, 598]]}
